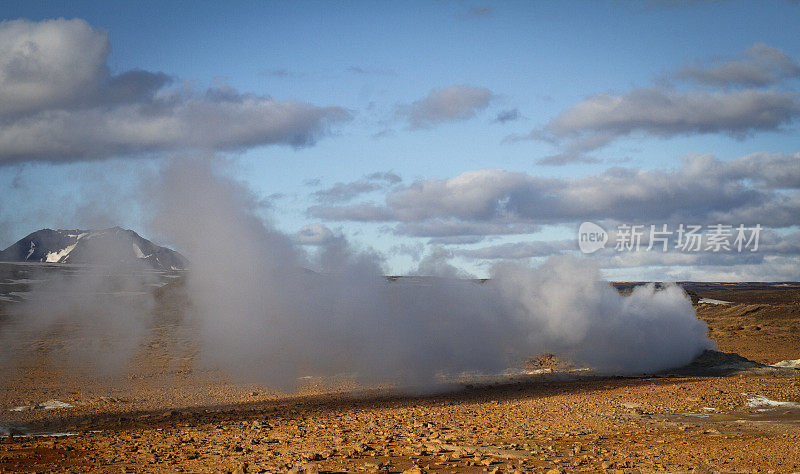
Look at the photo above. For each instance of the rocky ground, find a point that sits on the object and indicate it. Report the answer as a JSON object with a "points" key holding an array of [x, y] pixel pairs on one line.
{"points": [[164, 415]]}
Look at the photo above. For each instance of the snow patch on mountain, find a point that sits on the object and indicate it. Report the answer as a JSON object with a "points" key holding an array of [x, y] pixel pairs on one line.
{"points": [[59, 256], [137, 251]]}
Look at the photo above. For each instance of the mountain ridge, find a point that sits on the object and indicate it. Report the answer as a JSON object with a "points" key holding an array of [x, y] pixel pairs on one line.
{"points": [[111, 246]]}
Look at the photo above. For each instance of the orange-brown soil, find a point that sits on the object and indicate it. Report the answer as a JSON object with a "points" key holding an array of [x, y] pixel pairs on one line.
{"points": [[166, 415]]}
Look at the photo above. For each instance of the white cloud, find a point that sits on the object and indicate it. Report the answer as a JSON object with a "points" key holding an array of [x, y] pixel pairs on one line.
{"points": [[602, 118], [446, 104], [49, 64], [519, 250], [452, 228], [760, 65], [314, 234], [355, 212], [759, 188], [59, 102], [738, 110], [508, 116], [341, 192]]}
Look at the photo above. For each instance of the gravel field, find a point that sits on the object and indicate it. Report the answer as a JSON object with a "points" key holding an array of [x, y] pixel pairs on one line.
{"points": [[165, 413]]}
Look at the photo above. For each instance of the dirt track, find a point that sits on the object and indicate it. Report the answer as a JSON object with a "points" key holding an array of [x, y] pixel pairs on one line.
{"points": [[164, 416]]}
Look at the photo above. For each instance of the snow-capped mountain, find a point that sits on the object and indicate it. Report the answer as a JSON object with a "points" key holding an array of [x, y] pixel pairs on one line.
{"points": [[114, 246]]}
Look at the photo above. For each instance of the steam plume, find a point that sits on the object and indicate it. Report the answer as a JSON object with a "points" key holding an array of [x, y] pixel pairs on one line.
{"points": [[264, 317], [267, 318]]}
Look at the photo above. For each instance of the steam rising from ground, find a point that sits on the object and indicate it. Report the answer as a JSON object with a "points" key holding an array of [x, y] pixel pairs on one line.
{"points": [[85, 319], [267, 318], [264, 317]]}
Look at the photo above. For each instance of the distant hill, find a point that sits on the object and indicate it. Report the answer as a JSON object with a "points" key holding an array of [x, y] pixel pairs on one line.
{"points": [[114, 246]]}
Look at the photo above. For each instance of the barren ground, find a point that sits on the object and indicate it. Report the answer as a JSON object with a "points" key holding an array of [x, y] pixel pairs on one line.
{"points": [[164, 415]]}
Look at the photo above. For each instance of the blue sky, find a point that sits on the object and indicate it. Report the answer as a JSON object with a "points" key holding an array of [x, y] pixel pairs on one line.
{"points": [[415, 89]]}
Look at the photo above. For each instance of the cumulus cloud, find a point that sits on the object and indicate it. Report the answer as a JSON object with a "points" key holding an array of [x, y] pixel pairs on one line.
{"points": [[437, 263], [414, 250], [355, 212], [446, 104], [507, 116], [738, 108], [388, 176], [778, 170], [314, 234], [519, 250], [773, 270], [371, 71], [341, 192], [452, 228], [760, 65], [705, 267], [595, 122], [60, 102], [457, 240], [482, 11], [565, 159], [759, 188], [280, 72], [49, 64]]}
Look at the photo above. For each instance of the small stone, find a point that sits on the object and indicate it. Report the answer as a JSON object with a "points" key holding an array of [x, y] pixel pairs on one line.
{"points": [[414, 470], [307, 468]]}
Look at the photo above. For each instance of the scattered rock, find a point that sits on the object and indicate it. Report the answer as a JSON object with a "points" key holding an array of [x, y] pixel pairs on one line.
{"points": [[307, 468], [414, 470]]}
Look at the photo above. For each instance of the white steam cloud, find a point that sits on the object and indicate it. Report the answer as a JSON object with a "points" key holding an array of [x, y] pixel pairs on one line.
{"points": [[266, 318], [87, 321]]}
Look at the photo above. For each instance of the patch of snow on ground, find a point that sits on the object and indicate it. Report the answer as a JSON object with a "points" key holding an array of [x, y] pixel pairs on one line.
{"points": [[57, 434], [713, 301], [50, 404], [54, 257], [19, 408], [760, 401], [30, 251], [794, 364]]}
